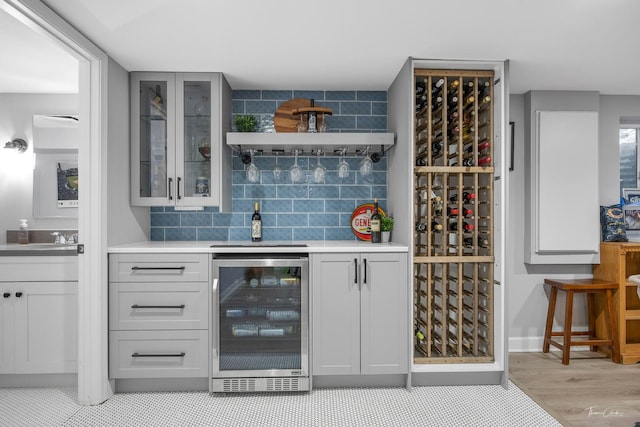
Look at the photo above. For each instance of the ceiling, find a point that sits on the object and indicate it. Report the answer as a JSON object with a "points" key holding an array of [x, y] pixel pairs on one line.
{"points": [[350, 44]]}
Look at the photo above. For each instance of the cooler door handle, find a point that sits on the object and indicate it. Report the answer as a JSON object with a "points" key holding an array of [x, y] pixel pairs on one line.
{"points": [[182, 354]]}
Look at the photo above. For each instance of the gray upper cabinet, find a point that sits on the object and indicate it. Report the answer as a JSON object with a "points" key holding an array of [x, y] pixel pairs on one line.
{"points": [[178, 153], [360, 314]]}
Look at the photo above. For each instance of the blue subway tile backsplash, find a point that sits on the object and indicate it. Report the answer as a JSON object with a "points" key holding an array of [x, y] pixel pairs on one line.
{"points": [[290, 211]]}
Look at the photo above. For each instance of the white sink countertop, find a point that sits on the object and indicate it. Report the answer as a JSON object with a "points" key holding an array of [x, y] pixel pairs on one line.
{"points": [[38, 249], [312, 246]]}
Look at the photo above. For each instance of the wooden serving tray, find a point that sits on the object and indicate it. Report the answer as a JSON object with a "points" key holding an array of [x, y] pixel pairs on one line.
{"points": [[284, 120]]}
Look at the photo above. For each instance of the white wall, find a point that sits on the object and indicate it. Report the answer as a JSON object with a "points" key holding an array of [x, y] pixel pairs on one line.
{"points": [[126, 224], [16, 171], [528, 300]]}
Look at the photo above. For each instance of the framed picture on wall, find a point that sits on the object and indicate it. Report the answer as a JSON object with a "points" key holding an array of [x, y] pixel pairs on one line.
{"points": [[632, 196]]}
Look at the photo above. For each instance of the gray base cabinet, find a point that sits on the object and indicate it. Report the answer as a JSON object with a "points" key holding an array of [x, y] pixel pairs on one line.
{"points": [[159, 315], [360, 314], [38, 315]]}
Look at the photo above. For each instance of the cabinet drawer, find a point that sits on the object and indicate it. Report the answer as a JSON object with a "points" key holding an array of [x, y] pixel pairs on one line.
{"points": [[159, 267], [158, 354], [134, 306]]}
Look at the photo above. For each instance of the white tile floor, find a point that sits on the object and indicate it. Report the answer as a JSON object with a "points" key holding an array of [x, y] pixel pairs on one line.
{"points": [[424, 406]]}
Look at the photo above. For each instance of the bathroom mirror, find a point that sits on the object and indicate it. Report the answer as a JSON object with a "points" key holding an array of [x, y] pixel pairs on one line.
{"points": [[56, 139]]}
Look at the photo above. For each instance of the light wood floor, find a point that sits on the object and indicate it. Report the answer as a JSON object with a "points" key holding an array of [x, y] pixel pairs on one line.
{"points": [[590, 391]]}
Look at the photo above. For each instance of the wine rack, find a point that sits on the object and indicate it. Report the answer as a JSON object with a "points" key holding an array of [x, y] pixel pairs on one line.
{"points": [[453, 213]]}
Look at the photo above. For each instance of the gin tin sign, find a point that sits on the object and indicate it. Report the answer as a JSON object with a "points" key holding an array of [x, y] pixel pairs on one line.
{"points": [[361, 220]]}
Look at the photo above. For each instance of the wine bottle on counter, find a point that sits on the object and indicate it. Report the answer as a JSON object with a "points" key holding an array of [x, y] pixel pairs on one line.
{"points": [[256, 224], [376, 233]]}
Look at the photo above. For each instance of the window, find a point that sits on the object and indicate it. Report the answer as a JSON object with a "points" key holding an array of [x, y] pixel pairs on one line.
{"points": [[629, 156]]}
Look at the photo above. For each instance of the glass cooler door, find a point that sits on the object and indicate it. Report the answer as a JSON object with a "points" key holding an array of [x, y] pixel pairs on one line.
{"points": [[261, 318]]}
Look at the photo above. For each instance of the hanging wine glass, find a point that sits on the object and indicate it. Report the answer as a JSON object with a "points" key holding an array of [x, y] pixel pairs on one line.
{"points": [[319, 172], [253, 173], [295, 173], [277, 170], [366, 165], [343, 166]]}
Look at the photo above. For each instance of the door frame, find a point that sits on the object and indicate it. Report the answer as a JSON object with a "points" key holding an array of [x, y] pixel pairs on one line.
{"points": [[94, 386]]}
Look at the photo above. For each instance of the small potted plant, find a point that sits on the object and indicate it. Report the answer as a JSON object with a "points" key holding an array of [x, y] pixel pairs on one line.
{"points": [[245, 123], [386, 225]]}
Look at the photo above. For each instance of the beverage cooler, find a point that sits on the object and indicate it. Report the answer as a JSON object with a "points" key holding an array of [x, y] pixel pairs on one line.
{"points": [[260, 323]]}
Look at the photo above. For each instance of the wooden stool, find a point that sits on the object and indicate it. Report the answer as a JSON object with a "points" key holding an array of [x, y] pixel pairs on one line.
{"points": [[590, 287]]}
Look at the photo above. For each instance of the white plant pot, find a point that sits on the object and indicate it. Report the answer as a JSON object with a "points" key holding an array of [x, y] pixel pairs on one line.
{"points": [[386, 235]]}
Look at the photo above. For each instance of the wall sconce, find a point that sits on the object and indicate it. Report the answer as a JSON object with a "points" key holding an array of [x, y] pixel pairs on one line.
{"points": [[18, 144]]}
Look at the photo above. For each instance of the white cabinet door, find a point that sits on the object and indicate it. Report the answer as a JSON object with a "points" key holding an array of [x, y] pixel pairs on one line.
{"points": [[46, 327], [336, 314], [7, 299], [385, 308], [360, 313]]}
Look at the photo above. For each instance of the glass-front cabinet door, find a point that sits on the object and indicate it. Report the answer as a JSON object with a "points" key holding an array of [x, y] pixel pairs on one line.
{"points": [[175, 139], [197, 124], [152, 136]]}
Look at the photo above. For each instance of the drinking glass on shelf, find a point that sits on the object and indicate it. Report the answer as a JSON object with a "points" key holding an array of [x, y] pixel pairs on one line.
{"points": [[322, 126], [302, 124]]}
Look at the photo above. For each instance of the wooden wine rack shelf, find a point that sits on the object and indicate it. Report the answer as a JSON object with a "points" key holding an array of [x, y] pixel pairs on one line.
{"points": [[453, 213]]}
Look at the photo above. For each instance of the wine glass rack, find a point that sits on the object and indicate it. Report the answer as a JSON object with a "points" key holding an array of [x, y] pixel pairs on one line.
{"points": [[453, 213]]}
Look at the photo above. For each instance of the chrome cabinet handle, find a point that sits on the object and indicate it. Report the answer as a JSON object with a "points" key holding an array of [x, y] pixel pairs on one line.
{"points": [[6, 295], [136, 268], [159, 355], [157, 306], [18, 294], [214, 286]]}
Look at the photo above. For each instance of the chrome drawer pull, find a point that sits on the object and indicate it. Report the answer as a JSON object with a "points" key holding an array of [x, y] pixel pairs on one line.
{"points": [[136, 268], [157, 306], [159, 355]]}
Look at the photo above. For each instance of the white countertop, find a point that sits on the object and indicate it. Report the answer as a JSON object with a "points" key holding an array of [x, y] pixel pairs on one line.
{"points": [[313, 246], [38, 249]]}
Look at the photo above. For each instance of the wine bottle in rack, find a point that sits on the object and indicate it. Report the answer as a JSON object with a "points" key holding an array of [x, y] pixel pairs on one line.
{"points": [[469, 100], [483, 88], [435, 226], [436, 148], [466, 226], [484, 160], [453, 102], [453, 84], [482, 242], [421, 161], [466, 196], [421, 87], [453, 115], [467, 88], [484, 100], [437, 84], [452, 211]]}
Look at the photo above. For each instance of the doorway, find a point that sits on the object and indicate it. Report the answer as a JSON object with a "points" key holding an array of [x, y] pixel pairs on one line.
{"points": [[93, 384]]}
